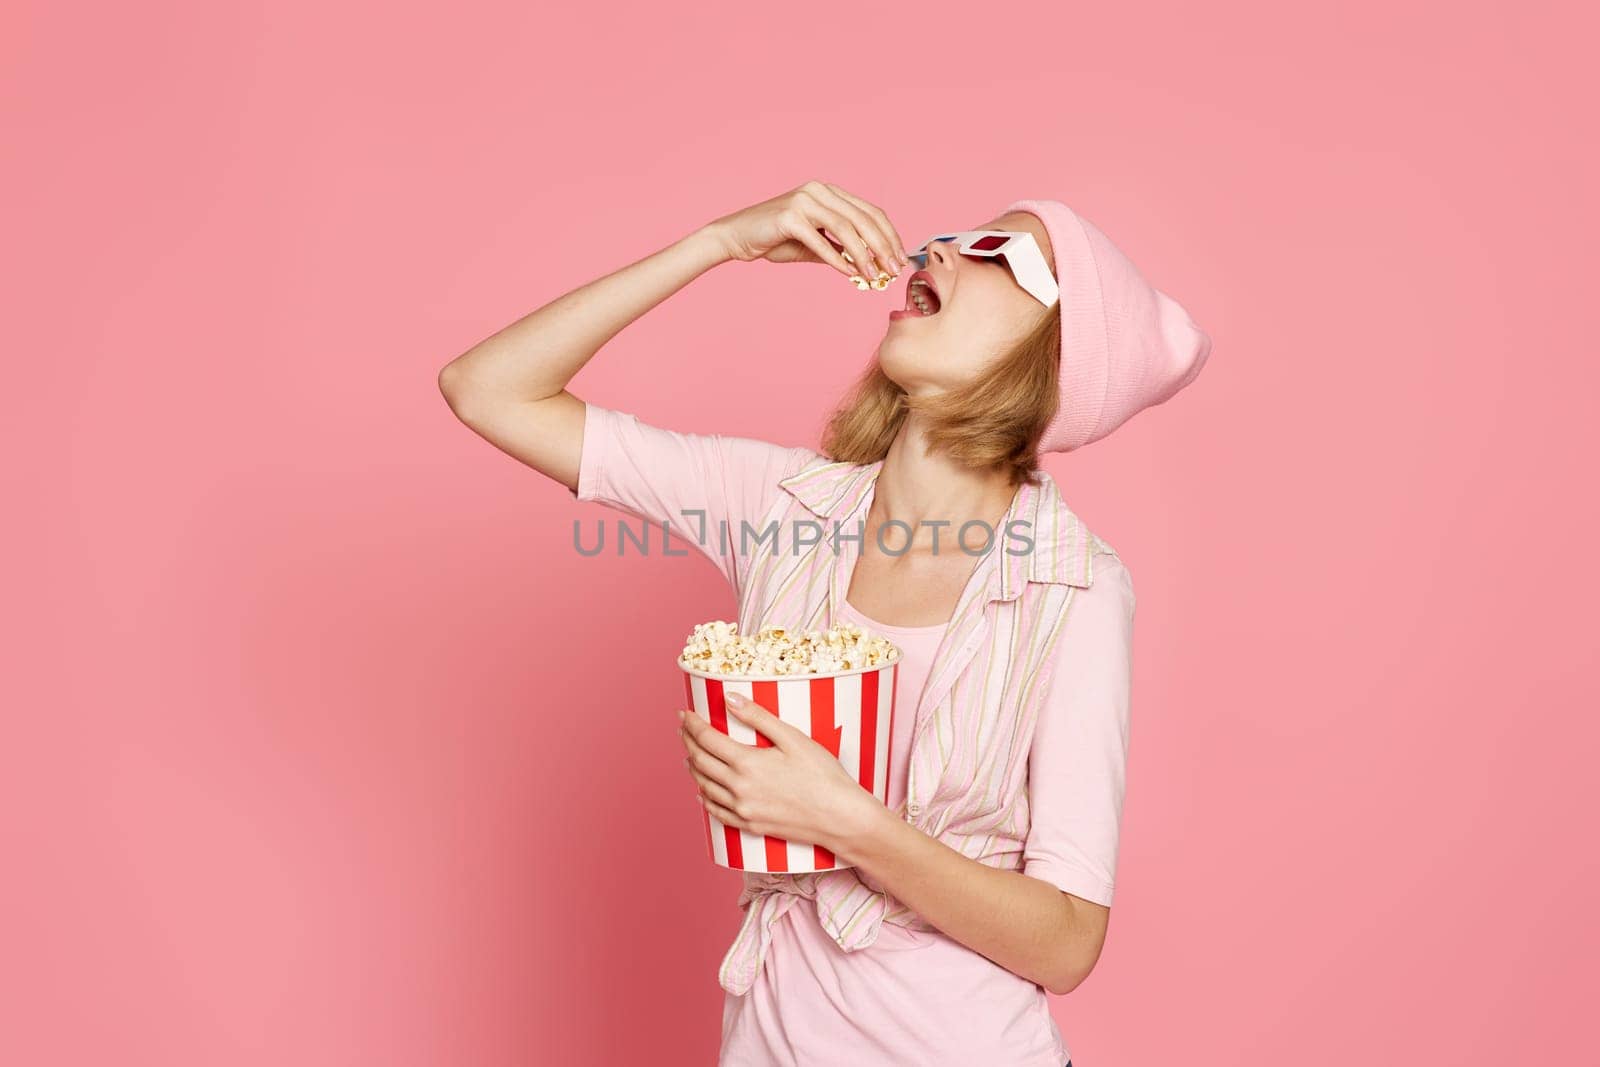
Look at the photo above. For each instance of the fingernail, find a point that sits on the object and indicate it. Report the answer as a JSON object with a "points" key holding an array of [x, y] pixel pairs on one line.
{"points": [[736, 698]]}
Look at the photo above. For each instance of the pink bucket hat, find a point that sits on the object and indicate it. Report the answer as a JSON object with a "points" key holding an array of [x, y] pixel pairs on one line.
{"points": [[1125, 345]]}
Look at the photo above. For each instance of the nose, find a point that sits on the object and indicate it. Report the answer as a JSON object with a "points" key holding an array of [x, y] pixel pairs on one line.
{"points": [[942, 250], [936, 248]]}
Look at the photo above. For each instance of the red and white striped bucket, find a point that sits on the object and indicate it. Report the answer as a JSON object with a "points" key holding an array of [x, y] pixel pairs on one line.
{"points": [[850, 713]]}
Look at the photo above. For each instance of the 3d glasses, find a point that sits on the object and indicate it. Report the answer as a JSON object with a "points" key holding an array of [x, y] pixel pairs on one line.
{"points": [[1022, 254]]}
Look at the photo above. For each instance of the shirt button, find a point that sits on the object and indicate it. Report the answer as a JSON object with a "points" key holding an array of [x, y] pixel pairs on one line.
{"points": [[914, 808]]}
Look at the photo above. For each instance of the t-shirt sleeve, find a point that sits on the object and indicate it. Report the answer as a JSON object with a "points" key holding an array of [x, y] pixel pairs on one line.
{"points": [[1078, 763], [704, 486]]}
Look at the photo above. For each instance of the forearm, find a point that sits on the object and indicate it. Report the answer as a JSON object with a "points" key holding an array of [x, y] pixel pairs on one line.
{"points": [[536, 356], [1026, 925]]}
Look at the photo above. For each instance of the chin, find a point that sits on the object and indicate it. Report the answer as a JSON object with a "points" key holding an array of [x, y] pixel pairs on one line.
{"points": [[897, 362]]}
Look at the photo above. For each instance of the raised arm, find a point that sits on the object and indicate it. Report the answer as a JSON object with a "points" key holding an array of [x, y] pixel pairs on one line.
{"points": [[511, 388]]}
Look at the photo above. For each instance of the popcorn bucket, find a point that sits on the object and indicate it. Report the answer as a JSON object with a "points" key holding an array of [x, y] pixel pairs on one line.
{"points": [[850, 713]]}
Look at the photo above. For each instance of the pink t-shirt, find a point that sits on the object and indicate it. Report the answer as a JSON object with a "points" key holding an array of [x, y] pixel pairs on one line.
{"points": [[817, 1004], [912, 997], [917, 647]]}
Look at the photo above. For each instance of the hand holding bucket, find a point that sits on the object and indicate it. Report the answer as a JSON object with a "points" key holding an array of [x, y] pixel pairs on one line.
{"points": [[850, 713]]}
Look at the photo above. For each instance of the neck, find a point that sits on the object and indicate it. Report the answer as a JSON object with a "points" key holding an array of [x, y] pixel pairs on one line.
{"points": [[917, 487]]}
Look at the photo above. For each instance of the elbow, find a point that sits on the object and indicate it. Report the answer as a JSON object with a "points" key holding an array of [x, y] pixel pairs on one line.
{"points": [[1080, 946], [1063, 984], [1068, 976], [459, 391], [451, 384], [1060, 984], [1074, 965], [469, 393]]}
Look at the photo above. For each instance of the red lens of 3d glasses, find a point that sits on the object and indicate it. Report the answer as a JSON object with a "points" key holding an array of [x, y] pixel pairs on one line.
{"points": [[991, 243]]}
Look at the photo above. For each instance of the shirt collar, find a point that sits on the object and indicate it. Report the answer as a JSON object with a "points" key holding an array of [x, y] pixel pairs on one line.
{"points": [[1062, 548]]}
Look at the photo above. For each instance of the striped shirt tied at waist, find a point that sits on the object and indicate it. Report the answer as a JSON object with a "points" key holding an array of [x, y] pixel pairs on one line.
{"points": [[1019, 738], [849, 910]]}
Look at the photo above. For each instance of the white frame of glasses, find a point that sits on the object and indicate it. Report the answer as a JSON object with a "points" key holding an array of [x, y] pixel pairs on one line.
{"points": [[1030, 269]]}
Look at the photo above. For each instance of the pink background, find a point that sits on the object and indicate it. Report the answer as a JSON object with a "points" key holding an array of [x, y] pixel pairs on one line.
{"points": [[309, 692]]}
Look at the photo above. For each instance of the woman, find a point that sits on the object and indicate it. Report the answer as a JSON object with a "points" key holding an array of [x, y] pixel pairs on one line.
{"points": [[987, 878]]}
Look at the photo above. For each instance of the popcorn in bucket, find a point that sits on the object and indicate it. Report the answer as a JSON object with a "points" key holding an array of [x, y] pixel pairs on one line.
{"points": [[835, 686]]}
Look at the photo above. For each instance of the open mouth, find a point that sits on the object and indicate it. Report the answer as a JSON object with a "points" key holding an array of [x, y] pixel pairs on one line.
{"points": [[921, 297]]}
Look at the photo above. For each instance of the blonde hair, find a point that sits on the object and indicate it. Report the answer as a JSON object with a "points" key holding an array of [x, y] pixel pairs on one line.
{"points": [[995, 421]]}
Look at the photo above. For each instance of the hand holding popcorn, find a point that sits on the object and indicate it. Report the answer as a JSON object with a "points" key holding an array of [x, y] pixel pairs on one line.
{"points": [[788, 739], [792, 788]]}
